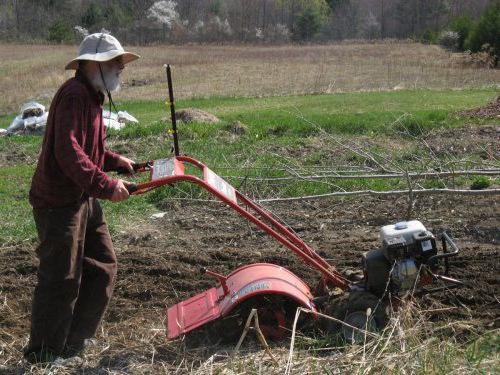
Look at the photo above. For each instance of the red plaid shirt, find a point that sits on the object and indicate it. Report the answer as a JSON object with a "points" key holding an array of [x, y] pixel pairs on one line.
{"points": [[73, 158]]}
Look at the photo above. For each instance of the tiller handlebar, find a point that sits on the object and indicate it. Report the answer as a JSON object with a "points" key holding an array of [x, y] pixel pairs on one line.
{"points": [[172, 170]]}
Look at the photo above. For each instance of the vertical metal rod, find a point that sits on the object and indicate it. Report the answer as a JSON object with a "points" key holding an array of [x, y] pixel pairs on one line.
{"points": [[445, 250], [172, 110]]}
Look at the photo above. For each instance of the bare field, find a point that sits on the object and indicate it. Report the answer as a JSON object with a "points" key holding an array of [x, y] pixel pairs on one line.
{"points": [[35, 71], [160, 262], [160, 259]]}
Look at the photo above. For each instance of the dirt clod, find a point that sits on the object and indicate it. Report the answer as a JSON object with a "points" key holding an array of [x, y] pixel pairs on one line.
{"points": [[190, 115], [237, 128]]}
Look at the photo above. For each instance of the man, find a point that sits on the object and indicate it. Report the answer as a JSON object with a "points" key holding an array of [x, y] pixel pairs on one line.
{"points": [[77, 261]]}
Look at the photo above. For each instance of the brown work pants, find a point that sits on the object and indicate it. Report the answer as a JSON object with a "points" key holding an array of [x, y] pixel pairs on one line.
{"points": [[75, 276]]}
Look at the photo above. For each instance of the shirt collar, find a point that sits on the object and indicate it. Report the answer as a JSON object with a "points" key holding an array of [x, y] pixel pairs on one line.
{"points": [[96, 95]]}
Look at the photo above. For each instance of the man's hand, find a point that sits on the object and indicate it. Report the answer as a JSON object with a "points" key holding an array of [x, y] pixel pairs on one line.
{"points": [[126, 163], [120, 193]]}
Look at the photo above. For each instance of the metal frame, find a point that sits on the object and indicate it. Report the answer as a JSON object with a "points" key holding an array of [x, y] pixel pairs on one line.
{"points": [[249, 210], [255, 279]]}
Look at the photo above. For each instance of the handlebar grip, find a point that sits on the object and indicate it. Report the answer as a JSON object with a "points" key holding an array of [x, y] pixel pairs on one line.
{"points": [[123, 170], [147, 165], [132, 188]]}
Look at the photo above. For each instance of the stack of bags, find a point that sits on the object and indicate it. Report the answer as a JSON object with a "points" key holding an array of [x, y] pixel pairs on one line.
{"points": [[32, 120]]}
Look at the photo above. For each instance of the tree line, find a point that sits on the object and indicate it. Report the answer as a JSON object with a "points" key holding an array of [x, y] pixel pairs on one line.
{"points": [[224, 21]]}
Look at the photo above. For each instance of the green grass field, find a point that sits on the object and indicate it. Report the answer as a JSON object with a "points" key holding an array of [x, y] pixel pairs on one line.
{"points": [[284, 136]]}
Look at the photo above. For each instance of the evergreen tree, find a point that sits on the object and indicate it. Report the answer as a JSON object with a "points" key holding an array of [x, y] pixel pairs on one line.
{"points": [[462, 26], [486, 34], [308, 16]]}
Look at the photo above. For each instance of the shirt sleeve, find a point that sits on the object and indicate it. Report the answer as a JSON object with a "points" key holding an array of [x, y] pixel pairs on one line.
{"points": [[110, 160], [70, 135]]}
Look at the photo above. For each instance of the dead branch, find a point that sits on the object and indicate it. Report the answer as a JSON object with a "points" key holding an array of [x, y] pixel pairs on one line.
{"points": [[389, 192], [336, 175]]}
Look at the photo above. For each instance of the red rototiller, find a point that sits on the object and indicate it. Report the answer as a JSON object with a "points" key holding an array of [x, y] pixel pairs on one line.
{"points": [[407, 261]]}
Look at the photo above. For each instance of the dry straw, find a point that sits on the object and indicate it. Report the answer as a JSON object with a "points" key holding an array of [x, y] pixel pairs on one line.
{"points": [[250, 71]]}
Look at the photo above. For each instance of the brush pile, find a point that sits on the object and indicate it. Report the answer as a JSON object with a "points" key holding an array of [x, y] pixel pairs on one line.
{"points": [[491, 110]]}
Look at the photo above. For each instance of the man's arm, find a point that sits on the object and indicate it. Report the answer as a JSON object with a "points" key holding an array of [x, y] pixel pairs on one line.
{"points": [[113, 161], [70, 133]]}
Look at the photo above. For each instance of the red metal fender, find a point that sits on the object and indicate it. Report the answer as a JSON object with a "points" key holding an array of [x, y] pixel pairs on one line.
{"points": [[242, 284]]}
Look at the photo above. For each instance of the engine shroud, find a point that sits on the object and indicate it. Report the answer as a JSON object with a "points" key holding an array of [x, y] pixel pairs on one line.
{"points": [[395, 266]]}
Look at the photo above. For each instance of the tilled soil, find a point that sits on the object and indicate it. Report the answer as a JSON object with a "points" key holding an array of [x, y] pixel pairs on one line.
{"points": [[161, 260]]}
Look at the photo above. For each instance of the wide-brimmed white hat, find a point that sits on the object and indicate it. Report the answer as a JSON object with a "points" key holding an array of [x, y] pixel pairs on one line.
{"points": [[101, 47]]}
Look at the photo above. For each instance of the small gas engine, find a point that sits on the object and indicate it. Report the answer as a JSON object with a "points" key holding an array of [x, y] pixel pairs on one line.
{"points": [[396, 266]]}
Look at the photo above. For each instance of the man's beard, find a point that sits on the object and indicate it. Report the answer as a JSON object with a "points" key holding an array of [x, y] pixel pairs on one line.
{"points": [[111, 78]]}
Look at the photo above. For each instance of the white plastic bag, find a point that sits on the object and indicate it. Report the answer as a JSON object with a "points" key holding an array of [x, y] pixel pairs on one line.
{"points": [[36, 122], [125, 117], [110, 120], [117, 121], [32, 117], [16, 125], [32, 109]]}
